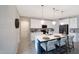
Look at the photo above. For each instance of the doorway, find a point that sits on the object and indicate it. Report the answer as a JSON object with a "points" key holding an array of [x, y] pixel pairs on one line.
{"points": [[25, 41]]}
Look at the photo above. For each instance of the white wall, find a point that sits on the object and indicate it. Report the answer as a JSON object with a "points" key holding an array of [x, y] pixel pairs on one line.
{"points": [[9, 36], [35, 23]]}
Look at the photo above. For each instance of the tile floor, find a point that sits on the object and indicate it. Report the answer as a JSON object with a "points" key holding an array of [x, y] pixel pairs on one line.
{"points": [[75, 51]]}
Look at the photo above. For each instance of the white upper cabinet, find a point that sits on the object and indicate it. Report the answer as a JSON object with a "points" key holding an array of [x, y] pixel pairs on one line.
{"points": [[36, 23], [64, 21], [73, 23]]}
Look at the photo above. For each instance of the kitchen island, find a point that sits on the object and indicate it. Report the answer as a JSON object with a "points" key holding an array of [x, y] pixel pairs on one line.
{"points": [[45, 38]]}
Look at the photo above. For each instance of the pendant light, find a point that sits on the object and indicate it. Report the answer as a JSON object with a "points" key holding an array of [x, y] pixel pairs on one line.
{"points": [[42, 20], [54, 22], [61, 23]]}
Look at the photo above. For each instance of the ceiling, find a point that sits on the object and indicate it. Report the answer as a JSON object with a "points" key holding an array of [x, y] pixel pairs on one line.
{"points": [[35, 11]]}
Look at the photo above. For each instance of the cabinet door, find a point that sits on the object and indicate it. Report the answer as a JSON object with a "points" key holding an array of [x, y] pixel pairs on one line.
{"points": [[73, 23]]}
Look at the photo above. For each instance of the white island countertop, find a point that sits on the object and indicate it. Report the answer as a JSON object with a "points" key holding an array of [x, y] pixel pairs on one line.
{"points": [[46, 37]]}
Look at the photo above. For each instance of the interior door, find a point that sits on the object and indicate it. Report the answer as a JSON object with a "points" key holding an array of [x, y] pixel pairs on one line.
{"points": [[25, 42]]}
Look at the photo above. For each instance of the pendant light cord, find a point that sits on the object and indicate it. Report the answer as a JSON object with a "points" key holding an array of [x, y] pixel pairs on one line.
{"points": [[42, 11]]}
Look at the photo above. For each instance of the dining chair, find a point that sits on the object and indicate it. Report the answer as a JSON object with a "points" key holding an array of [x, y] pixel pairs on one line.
{"points": [[71, 42], [38, 47], [61, 41], [61, 45], [50, 46]]}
